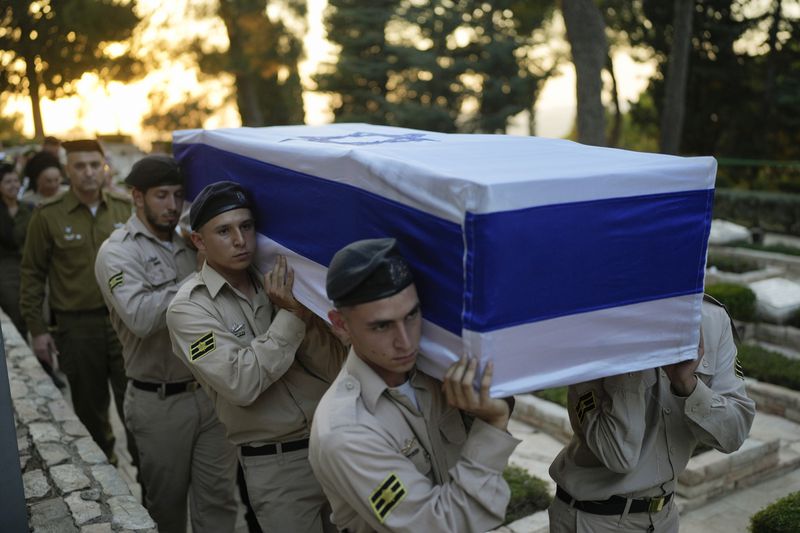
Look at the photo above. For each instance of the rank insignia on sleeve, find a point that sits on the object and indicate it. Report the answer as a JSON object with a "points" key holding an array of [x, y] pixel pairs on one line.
{"points": [[586, 404], [387, 496], [115, 281], [202, 346], [738, 369]]}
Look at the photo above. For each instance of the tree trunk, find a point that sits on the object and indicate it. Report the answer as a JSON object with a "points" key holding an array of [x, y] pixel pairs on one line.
{"points": [[587, 37], [616, 127], [247, 100], [677, 74], [33, 87]]}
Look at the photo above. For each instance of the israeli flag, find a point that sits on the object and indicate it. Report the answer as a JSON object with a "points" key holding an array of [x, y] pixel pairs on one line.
{"points": [[560, 262]]}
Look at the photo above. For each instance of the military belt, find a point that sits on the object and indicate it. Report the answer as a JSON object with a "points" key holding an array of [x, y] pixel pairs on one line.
{"points": [[166, 389], [272, 449], [615, 505]]}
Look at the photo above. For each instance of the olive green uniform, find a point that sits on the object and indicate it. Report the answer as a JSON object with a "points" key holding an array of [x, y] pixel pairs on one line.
{"points": [[12, 238], [60, 250], [182, 446]]}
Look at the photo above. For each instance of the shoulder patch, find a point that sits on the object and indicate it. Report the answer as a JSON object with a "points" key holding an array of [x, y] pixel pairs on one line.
{"points": [[386, 497], [586, 404], [202, 346], [116, 280]]}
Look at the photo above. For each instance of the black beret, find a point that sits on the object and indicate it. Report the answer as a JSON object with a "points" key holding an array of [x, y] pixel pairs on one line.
{"points": [[215, 199], [154, 171], [83, 145], [39, 163], [368, 270]]}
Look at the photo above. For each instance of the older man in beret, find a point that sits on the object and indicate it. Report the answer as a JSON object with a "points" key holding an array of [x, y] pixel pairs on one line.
{"points": [[182, 446], [395, 449], [63, 238], [263, 357]]}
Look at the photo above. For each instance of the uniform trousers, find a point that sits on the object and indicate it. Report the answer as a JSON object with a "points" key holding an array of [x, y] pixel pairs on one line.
{"points": [[284, 493], [90, 356], [566, 519], [183, 450]]}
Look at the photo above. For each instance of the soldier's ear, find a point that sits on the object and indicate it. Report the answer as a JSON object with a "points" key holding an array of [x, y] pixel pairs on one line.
{"points": [[197, 240], [338, 323], [138, 198]]}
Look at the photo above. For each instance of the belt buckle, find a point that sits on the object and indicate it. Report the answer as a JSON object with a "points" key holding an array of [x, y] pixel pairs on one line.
{"points": [[656, 504], [192, 386], [162, 391]]}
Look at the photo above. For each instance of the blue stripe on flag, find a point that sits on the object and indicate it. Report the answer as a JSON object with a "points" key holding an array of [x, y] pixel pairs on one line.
{"points": [[315, 217], [626, 250], [544, 262]]}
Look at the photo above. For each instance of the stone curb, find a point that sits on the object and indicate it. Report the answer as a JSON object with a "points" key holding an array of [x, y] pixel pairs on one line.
{"points": [[775, 399], [544, 415], [69, 485]]}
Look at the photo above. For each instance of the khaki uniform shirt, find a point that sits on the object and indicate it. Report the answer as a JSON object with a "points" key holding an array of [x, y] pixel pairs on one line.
{"points": [[264, 371], [387, 465], [62, 243], [633, 436], [138, 275]]}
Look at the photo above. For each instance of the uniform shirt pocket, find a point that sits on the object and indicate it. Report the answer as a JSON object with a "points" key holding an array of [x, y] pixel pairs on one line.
{"points": [[159, 274], [452, 427]]}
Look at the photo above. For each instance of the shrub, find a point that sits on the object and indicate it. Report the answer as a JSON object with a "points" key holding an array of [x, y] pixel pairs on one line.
{"points": [[740, 301], [782, 516], [529, 494], [768, 366], [794, 320], [771, 211], [777, 248], [557, 395], [732, 264]]}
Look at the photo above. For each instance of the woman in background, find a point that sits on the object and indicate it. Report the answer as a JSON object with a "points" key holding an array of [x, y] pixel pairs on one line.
{"points": [[14, 218]]}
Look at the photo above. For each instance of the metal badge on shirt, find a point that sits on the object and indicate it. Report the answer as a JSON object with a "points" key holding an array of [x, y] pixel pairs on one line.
{"points": [[69, 236], [238, 330]]}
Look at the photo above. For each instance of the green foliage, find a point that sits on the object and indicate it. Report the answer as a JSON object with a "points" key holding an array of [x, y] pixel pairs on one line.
{"points": [[774, 248], [556, 395], [770, 367], [783, 516], [529, 494], [740, 301], [442, 65], [732, 264], [743, 87], [794, 320], [263, 57], [61, 41], [771, 211]]}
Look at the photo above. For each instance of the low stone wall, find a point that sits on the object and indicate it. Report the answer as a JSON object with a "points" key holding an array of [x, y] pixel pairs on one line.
{"points": [[69, 485], [790, 264], [544, 415], [775, 400]]}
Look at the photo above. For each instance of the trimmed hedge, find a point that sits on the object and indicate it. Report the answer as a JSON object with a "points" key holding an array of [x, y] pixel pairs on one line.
{"points": [[769, 366], [774, 248], [783, 516], [737, 265], [529, 494], [556, 395], [740, 301], [771, 211]]}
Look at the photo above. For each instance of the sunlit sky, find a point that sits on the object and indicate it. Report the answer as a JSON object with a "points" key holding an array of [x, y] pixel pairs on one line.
{"points": [[114, 107]]}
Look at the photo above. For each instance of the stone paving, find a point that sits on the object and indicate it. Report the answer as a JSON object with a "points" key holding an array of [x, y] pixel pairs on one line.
{"points": [[68, 484]]}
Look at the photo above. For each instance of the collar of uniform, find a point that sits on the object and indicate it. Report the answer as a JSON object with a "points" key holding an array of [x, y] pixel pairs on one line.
{"points": [[71, 201], [372, 385], [137, 227], [214, 280]]}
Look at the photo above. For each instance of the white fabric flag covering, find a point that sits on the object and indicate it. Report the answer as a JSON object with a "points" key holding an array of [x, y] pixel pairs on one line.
{"points": [[560, 262]]}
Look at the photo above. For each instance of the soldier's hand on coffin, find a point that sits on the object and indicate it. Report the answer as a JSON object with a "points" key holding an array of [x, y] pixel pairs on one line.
{"points": [[278, 283], [682, 375], [460, 393]]}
